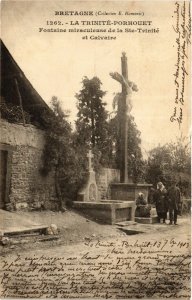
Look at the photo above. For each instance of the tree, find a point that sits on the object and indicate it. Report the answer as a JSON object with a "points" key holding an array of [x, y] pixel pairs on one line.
{"points": [[136, 165], [58, 136], [62, 156], [169, 163], [104, 136], [91, 124]]}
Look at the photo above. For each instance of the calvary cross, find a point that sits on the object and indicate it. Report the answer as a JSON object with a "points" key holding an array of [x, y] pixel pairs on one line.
{"points": [[90, 156], [127, 88]]}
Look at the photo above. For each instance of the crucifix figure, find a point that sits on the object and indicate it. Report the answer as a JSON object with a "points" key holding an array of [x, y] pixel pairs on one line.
{"points": [[90, 156], [127, 86], [124, 108]]}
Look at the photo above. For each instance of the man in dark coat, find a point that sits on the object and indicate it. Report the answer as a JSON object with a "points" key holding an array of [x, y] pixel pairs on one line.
{"points": [[161, 202], [174, 200]]}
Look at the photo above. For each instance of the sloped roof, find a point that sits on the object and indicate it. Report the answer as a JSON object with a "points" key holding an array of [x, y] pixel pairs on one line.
{"points": [[31, 100]]}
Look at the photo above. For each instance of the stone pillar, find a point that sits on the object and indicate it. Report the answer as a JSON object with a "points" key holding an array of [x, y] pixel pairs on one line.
{"points": [[124, 125]]}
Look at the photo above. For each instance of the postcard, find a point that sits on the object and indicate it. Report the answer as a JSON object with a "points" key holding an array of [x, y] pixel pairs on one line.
{"points": [[95, 149]]}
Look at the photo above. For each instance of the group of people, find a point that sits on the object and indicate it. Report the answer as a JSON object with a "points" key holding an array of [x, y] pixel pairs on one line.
{"points": [[167, 201], [164, 200]]}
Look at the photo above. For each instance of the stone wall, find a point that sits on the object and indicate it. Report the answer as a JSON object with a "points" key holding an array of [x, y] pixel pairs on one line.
{"points": [[27, 186], [104, 178]]}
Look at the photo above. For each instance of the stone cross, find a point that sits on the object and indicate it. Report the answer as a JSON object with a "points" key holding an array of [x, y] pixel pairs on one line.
{"points": [[90, 156], [124, 102]]}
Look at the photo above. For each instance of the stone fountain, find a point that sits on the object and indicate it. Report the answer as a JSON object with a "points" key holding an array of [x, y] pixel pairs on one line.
{"points": [[106, 211], [121, 207]]}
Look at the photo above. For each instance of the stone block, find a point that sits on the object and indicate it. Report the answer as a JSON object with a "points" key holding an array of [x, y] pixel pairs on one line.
{"points": [[20, 206], [128, 191], [107, 211], [150, 220]]}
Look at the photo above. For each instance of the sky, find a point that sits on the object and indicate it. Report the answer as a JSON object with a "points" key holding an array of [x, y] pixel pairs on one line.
{"points": [[55, 63]]}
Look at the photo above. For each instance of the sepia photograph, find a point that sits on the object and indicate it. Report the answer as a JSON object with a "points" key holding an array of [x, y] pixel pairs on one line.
{"points": [[95, 149]]}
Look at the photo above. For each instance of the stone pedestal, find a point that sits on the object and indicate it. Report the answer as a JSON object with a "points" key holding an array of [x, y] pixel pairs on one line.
{"points": [[107, 211], [129, 191], [89, 192]]}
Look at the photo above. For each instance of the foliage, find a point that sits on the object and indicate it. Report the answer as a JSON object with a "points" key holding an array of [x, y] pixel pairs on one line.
{"points": [[170, 163], [136, 165], [104, 137], [72, 172], [135, 159], [91, 124], [58, 137], [62, 156], [12, 113]]}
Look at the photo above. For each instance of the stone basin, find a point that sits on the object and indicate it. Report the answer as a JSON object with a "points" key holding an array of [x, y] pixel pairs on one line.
{"points": [[107, 211]]}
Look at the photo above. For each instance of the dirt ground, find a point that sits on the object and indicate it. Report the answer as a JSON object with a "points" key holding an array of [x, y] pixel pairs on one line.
{"points": [[74, 228]]}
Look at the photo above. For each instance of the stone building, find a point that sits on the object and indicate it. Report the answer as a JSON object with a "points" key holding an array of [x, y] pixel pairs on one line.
{"points": [[22, 139]]}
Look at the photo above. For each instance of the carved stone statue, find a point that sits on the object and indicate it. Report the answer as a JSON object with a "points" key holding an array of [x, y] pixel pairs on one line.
{"points": [[129, 86]]}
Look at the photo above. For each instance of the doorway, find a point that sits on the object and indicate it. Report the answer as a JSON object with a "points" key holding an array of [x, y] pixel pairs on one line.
{"points": [[5, 171]]}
